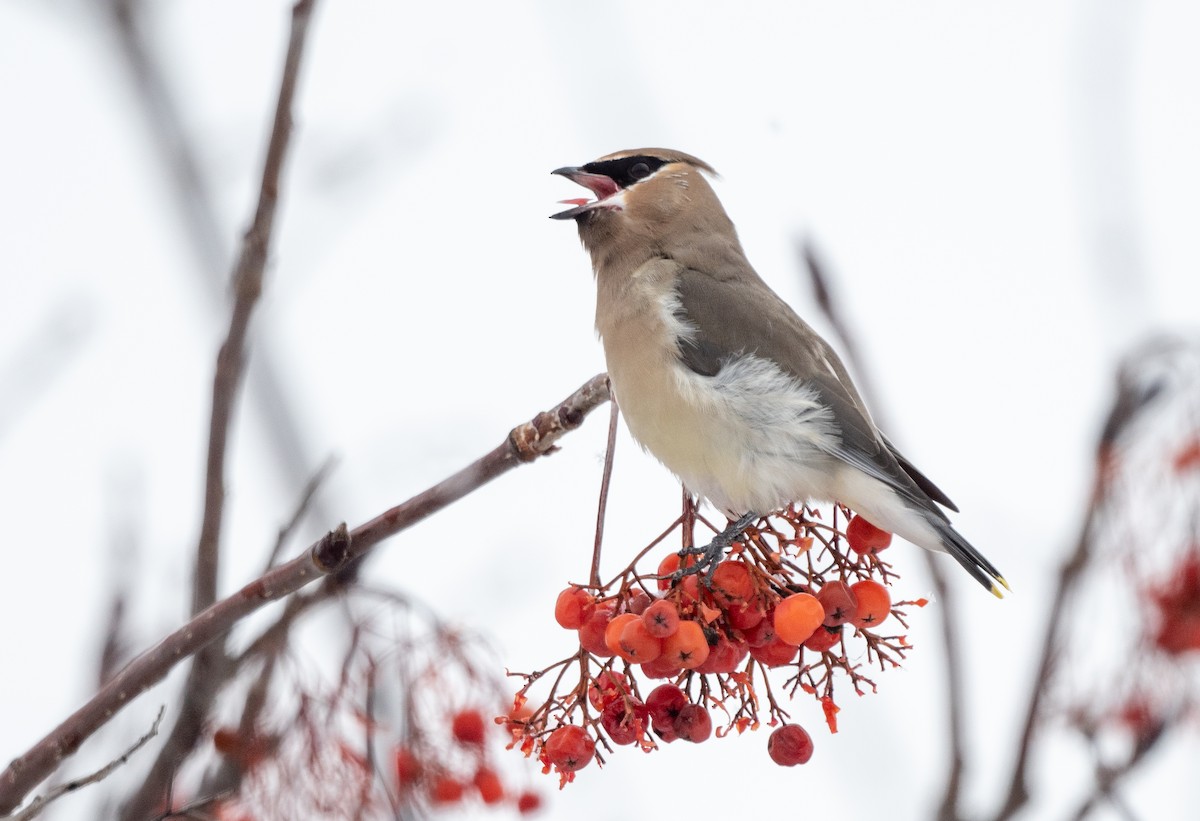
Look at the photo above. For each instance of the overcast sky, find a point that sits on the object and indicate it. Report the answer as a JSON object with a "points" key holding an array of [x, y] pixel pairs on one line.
{"points": [[1006, 195]]}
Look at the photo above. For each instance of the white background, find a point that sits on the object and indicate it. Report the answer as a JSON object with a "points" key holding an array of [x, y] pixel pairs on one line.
{"points": [[1007, 195]]}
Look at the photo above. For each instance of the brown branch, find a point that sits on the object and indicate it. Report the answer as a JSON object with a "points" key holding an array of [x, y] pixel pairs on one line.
{"points": [[211, 667], [525, 443], [952, 655]]}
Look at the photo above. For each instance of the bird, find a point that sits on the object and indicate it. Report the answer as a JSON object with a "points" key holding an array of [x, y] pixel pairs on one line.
{"points": [[718, 378]]}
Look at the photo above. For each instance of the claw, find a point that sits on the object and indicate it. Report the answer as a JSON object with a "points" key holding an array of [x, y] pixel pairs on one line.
{"points": [[710, 555]]}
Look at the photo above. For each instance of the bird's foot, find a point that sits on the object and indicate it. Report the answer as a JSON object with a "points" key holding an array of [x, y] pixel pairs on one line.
{"points": [[711, 553]]}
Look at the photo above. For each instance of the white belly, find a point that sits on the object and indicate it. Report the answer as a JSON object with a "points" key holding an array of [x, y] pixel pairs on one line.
{"points": [[751, 438]]}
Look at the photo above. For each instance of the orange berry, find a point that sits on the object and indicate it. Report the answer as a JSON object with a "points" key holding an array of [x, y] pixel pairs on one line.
{"points": [[612, 633], [731, 581], [797, 617], [865, 538], [488, 783], [573, 607], [569, 748], [661, 618], [468, 727], [874, 603], [687, 647], [638, 644]]}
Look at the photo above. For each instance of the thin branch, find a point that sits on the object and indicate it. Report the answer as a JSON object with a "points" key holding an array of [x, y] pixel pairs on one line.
{"points": [[180, 161], [210, 667], [525, 443], [42, 801], [306, 498], [609, 450], [952, 655]]}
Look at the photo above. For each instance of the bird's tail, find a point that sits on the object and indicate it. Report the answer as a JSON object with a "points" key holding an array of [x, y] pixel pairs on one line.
{"points": [[971, 559]]}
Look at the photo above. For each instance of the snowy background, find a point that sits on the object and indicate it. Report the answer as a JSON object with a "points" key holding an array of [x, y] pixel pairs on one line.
{"points": [[1006, 195]]}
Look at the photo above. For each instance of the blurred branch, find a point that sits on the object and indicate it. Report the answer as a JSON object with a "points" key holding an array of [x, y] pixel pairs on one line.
{"points": [[42, 801], [525, 443], [211, 667], [947, 613], [181, 163]]}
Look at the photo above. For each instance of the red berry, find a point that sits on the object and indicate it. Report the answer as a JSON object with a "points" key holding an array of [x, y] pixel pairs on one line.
{"points": [[874, 603], [839, 603], [625, 723], [573, 607], [790, 745], [744, 615], [763, 632], [468, 727], [823, 639], [591, 634], [446, 790], [693, 724], [569, 748], [775, 653], [724, 657], [661, 667], [607, 687], [408, 767], [612, 633], [488, 783], [661, 618], [528, 802], [865, 538], [664, 703], [638, 602]]}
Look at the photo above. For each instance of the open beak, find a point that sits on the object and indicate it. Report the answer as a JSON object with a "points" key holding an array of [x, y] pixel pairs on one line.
{"points": [[603, 187]]}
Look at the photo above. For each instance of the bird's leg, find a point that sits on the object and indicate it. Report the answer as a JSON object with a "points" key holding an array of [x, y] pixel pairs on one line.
{"points": [[710, 555]]}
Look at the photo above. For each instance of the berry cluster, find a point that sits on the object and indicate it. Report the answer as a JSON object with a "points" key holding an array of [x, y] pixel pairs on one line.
{"points": [[442, 774], [794, 594]]}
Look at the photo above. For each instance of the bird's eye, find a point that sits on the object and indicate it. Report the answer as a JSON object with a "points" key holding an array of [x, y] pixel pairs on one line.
{"points": [[639, 170]]}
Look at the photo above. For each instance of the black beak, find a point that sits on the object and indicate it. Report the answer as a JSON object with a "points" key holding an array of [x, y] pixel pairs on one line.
{"points": [[598, 184]]}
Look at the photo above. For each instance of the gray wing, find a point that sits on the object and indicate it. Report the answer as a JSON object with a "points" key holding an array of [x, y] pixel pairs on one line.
{"points": [[739, 314]]}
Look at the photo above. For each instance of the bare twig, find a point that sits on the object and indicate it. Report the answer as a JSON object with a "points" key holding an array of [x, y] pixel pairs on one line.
{"points": [[525, 443], [42, 801], [609, 450], [952, 656], [306, 498]]}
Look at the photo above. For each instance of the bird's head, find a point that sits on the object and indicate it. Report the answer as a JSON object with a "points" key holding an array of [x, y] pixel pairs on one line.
{"points": [[644, 197]]}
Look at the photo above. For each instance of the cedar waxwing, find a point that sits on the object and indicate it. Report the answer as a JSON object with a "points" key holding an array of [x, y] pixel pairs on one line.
{"points": [[719, 379]]}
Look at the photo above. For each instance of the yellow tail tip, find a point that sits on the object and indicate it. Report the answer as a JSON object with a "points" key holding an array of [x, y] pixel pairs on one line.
{"points": [[996, 590]]}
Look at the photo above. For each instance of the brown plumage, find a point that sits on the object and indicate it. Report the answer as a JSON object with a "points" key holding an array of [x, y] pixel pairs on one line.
{"points": [[718, 377]]}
